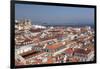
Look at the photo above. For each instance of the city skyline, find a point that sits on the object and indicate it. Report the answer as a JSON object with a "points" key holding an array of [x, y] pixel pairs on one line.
{"points": [[55, 15]]}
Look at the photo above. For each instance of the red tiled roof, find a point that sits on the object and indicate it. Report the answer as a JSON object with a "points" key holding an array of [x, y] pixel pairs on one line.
{"points": [[82, 51], [55, 46], [49, 60], [69, 51], [73, 59]]}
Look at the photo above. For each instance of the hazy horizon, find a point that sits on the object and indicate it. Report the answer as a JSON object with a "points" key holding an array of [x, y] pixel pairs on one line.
{"points": [[55, 15]]}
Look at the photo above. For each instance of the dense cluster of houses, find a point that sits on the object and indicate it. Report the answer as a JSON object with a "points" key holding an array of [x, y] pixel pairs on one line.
{"points": [[35, 44]]}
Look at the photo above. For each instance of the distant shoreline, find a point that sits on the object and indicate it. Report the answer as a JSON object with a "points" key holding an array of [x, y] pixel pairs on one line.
{"points": [[92, 26]]}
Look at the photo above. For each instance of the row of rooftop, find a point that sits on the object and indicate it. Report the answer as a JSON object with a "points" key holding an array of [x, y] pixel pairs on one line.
{"points": [[45, 45]]}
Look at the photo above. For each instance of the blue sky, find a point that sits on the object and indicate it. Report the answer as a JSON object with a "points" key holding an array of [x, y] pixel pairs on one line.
{"points": [[55, 15]]}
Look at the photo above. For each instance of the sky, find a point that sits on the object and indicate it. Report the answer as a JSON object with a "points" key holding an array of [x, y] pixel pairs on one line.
{"points": [[55, 15]]}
